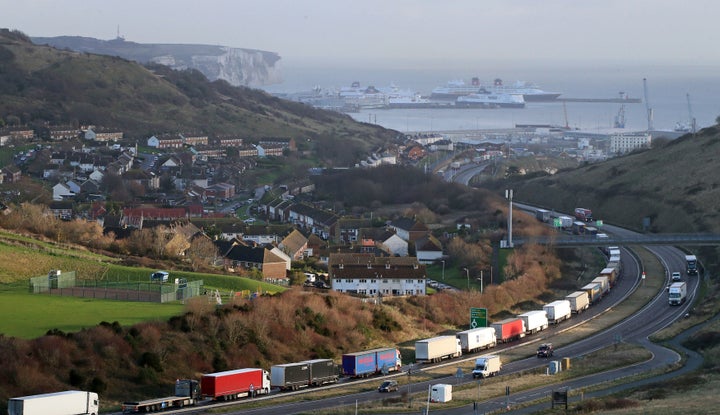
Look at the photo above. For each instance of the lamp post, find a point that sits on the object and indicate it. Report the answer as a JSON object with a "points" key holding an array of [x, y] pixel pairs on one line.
{"points": [[443, 270], [481, 282], [509, 196], [467, 273]]}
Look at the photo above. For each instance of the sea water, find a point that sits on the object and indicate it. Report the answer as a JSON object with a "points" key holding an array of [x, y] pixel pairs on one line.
{"points": [[668, 88]]}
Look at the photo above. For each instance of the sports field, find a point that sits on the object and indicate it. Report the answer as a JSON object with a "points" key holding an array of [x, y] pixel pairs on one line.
{"points": [[31, 315]]}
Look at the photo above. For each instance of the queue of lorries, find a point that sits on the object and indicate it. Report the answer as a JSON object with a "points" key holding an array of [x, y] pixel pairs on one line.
{"points": [[250, 382]]}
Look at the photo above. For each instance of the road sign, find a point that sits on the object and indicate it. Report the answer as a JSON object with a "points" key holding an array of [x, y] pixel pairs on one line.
{"points": [[598, 222], [557, 223], [478, 317]]}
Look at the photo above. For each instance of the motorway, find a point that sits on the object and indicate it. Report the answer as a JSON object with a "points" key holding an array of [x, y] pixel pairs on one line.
{"points": [[656, 315]]}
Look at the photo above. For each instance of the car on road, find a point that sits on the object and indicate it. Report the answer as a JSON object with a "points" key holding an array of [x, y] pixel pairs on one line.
{"points": [[676, 276], [388, 386], [545, 350]]}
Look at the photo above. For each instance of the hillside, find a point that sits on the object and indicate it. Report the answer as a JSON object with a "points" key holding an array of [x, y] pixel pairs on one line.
{"points": [[238, 66], [41, 85], [675, 185]]}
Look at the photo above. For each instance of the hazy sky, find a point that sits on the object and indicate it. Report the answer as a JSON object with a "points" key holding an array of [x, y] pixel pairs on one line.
{"points": [[397, 32]]}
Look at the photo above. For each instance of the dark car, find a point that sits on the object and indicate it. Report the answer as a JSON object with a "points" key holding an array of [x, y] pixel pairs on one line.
{"points": [[545, 350], [388, 386]]}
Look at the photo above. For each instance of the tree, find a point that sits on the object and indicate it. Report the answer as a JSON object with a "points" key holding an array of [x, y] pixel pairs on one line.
{"points": [[202, 251]]}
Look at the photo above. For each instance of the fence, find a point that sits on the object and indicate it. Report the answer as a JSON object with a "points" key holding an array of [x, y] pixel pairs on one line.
{"points": [[55, 279], [66, 284]]}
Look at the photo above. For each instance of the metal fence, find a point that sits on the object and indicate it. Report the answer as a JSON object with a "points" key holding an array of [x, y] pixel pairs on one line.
{"points": [[65, 284], [52, 281]]}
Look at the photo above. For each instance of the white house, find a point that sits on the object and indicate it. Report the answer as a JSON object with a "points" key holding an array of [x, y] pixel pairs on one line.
{"points": [[61, 191], [395, 245], [428, 250], [368, 275]]}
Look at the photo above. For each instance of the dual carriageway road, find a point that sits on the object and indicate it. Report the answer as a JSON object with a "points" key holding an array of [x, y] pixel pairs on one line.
{"points": [[653, 317], [636, 328]]}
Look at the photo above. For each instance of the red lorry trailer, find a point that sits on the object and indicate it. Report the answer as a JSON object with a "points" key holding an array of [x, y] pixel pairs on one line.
{"points": [[509, 329], [233, 384]]}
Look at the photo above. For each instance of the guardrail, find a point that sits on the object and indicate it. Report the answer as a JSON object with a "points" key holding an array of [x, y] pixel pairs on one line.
{"points": [[648, 239]]}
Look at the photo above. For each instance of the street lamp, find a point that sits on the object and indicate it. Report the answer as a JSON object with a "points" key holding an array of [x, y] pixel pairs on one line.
{"points": [[481, 282], [467, 272], [443, 271]]}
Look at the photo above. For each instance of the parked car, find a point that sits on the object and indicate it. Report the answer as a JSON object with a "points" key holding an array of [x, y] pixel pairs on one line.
{"points": [[388, 386]]}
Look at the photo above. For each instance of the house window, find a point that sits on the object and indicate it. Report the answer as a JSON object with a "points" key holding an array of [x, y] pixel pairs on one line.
{"points": [[349, 281], [363, 292], [421, 282], [373, 281]]}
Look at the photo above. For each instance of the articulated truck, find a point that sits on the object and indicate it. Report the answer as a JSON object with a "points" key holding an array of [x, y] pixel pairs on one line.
{"points": [[292, 376], [187, 392], [509, 329], [58, 403], [579, 301], [557, 311], [476, 339], [437, 348], [233, 384], [371, 362]]}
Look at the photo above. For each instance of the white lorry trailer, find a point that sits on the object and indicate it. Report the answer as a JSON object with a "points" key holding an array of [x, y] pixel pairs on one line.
{"points": [[436, 349], [557, 311], [579, 301], [677, 293], [476, 339], [535, 321], [487, 366], [58, 403]]}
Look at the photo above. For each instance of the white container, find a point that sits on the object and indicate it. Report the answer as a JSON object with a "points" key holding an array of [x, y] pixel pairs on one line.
{"points": [[535, 321], [436, 349], [579, 301], [441, 393], [475, 339], [557, 311], [58, 403]]}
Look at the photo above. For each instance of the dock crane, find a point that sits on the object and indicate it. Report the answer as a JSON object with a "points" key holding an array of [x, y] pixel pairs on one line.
{"points": [[620, 118], [647, 106], [690, 125]]}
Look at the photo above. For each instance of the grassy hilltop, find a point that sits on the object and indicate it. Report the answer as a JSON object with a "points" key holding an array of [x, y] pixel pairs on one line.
{"points": [[40, 84]]}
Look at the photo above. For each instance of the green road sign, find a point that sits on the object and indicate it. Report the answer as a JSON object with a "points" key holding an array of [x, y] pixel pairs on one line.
{"points": [[598, 223], [557, 222], [478, 317]]}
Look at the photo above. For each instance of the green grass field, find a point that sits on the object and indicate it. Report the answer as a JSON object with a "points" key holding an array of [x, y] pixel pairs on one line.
{"points": [[28, 315], [32, 315]]}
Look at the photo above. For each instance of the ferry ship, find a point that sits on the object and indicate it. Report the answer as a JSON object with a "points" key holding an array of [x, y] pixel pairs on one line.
{"points": [[486, 99], [456, 88], [529, 91]]}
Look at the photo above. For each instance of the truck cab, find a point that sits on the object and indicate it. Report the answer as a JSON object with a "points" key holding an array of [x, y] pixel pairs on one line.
{"points": [[188, 388]]}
